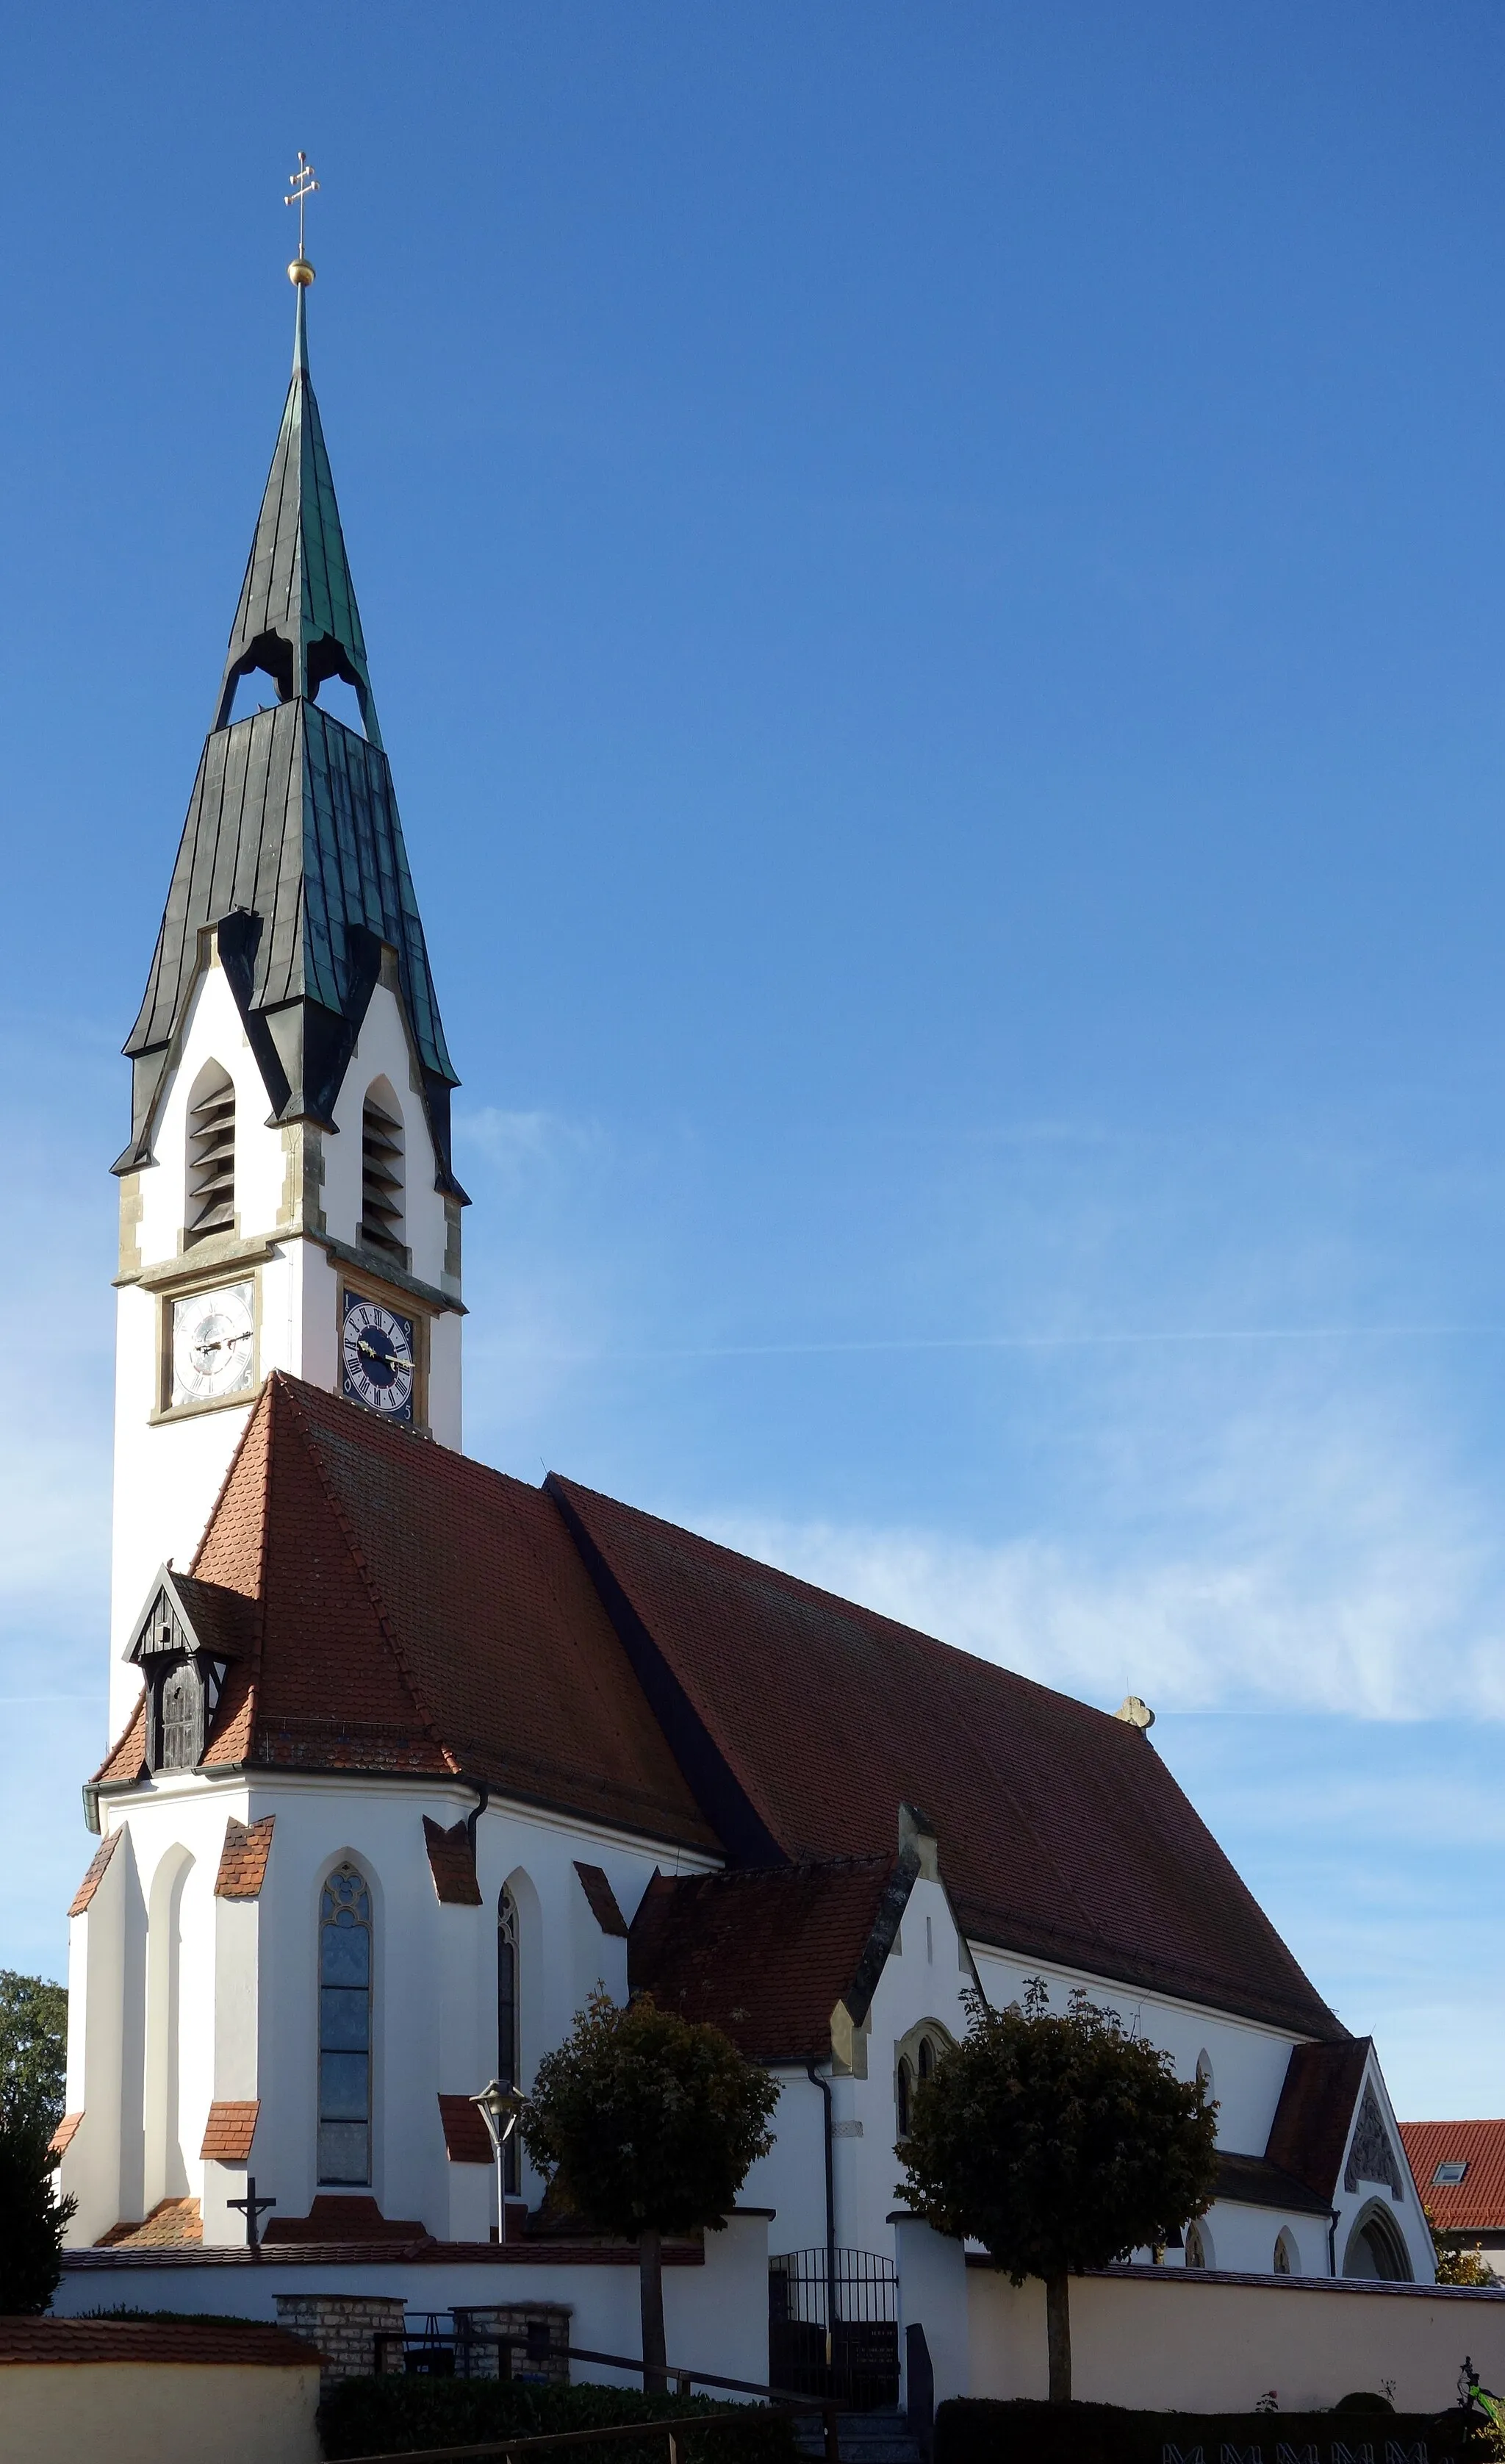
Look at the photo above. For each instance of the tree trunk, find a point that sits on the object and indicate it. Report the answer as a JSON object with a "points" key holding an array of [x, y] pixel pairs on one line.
{"points": [[650, 2294], [1058, 2336]]}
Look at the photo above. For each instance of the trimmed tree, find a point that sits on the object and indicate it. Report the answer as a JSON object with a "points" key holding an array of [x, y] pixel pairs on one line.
{"points": [[34, 2051], [646, 2123], [1059, 2142]]}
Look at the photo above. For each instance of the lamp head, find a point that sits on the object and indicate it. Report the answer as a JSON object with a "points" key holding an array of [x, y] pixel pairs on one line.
{"points": [[499, 2108]]}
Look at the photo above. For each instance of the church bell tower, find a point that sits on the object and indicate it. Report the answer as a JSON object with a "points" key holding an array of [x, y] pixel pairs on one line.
{"points": [[288, 1199]]}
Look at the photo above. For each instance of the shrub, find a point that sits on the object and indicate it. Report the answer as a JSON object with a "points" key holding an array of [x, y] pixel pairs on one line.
{"points": [[31, 2221], [975, 2431], [396, 2415]]}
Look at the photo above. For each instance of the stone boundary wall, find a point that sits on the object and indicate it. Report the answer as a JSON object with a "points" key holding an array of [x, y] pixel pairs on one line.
{"points": [[343, 2327]]}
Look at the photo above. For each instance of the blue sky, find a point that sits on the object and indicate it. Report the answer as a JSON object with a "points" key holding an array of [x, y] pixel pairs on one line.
{"points": [[934, 587]]}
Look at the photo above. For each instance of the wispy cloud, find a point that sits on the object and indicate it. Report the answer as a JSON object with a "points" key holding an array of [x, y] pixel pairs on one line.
{"points": [[1321, 1567]]}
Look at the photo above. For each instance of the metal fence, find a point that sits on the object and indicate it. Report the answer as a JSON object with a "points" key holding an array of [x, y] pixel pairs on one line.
{"points": [[832, 2325]]}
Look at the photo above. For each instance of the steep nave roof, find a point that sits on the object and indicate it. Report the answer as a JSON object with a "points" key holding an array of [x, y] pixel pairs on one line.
{"points": [[419, 1613]]}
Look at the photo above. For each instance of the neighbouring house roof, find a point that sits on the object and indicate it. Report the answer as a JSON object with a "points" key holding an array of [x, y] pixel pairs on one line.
{"points": [[414, 1611], [1316, 2112], [1478, 2203], [764, 1955]]}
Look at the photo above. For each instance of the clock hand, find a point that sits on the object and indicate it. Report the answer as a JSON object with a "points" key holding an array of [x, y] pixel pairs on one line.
{"points": [[224, 1344], [390, 1359]]}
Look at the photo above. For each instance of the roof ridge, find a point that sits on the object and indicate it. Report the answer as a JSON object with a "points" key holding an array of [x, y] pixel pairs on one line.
{"points": [[290, 1386]]}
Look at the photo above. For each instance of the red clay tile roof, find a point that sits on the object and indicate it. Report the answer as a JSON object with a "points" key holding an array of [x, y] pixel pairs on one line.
{"points": [[61, 2139], [242, 1858], [805, 1720], [229, 2130], [1478, 2203], [96, 1874], [603, 1899], [417, 1612], [466, 2138], [171, 2224], [412, 1611], [452, 1861], [336, 2219], [125, 1763], [1316, 2112], [764, 1955], [207, 2341]]}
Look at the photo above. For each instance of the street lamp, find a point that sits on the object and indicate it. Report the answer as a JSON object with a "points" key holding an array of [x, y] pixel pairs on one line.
{"points": [[499, 2108]]}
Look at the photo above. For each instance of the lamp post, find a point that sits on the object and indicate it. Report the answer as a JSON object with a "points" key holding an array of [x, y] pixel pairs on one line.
{"points": [[499, 2107]]}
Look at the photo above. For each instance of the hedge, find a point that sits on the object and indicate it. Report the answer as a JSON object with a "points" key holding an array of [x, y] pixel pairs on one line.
{"points": [[395, 2414], [973, 2431]]}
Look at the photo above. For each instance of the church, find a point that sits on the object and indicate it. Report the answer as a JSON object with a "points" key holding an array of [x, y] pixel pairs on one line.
{"points": [[408, 1757]]}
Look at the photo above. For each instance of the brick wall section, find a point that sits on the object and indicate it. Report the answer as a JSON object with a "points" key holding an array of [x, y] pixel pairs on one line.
{"points": [[242, 1858], [343, 2327], [96, 1874], [546, 2325]]}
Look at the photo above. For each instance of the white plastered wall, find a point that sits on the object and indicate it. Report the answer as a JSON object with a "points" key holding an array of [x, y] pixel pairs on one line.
{"points": [[248, 1988], [168, 1471]]}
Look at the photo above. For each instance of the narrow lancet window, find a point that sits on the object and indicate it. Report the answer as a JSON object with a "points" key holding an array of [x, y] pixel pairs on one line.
{"points": [[344, 2029], [211, 1158], [508, 2041], [380, 1176]]}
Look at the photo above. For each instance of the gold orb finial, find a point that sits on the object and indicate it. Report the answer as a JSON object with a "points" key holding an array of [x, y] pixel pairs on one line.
{"points": [[301, 272]]}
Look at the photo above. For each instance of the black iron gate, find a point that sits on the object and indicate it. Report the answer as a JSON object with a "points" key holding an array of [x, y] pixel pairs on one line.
{"points": [[832, 2326]]}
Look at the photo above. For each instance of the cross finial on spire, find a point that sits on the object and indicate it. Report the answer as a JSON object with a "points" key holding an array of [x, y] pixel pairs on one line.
{"points": [[300, 187]]}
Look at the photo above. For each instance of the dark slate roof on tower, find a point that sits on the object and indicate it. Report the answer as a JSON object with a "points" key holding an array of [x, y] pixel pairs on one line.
{"points": [[293, 848]]}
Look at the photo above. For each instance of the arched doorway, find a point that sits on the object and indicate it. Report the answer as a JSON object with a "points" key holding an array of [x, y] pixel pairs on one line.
{"points": [[1375, 2247]]}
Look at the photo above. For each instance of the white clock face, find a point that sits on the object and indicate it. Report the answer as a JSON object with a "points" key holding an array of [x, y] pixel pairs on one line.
{"points": [[214, 1344], [379, 1359]]}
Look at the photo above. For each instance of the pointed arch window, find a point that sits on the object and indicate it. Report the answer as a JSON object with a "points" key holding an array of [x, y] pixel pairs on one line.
{"points": [[904, 2095], [344, 2029], [211, 1156], [509, 2034], [380, 1176]]}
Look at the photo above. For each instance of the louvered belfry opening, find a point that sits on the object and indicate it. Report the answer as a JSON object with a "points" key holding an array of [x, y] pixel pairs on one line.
{"points": [[211, 1161], [380, 1176]]}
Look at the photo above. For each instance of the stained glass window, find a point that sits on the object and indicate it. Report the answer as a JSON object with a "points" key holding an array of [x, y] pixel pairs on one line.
{"points": [[344, 2029]]}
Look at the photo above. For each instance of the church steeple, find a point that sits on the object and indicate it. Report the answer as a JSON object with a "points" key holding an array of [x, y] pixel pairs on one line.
{"points": [[292, 849], [297, 621]]}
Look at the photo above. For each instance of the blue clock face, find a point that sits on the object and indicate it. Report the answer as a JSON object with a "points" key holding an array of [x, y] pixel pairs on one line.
{"points": [[379, 1359]]}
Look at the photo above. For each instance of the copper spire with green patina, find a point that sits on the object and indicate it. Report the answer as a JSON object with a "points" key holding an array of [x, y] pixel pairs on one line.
{"points": [[297, 621], [293, 850]]}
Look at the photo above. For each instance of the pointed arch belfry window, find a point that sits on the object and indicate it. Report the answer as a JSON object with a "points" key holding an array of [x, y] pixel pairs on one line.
{"points": [[381, 1174], [344, 2029], [211, 1156], [508, 2039]]}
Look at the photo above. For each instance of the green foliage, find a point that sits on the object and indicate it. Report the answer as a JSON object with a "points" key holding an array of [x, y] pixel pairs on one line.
{"points": [[975, 2431], [32, 2222], [644, 2121], [34, 2053], [395, 2415], [1059, 2142], [1454, 2264]]}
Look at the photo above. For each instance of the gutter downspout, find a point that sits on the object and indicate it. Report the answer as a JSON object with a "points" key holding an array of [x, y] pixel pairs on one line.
{"points": [[483, 1798], [1332, 2241], [824, 2085]]}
